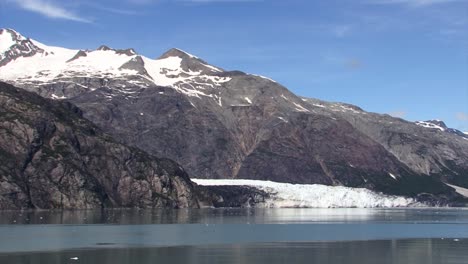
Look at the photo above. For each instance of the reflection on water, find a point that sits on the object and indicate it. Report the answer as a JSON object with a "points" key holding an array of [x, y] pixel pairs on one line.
{"points": [[236, 216], [241, 236], [423, 251]]}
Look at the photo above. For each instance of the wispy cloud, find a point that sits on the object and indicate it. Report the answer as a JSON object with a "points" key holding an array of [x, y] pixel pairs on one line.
{"points": [[110, 9], [398, 113], [341, 31], [416, 3], [354, 64], [462, 116], [143, 2], [49, 9], [217, 1], [345, 62]]}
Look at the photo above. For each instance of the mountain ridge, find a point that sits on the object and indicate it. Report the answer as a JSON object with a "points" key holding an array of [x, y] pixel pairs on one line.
{"points": [[230, 124]]}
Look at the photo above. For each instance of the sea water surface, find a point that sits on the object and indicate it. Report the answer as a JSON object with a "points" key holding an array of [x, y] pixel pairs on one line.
{"points": [[248, 235]]}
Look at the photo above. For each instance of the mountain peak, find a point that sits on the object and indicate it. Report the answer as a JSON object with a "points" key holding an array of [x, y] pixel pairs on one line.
{"points": [[190, 62], [437, 122], [8, 38], [128, 52], [104, 48], [175, 52], [13, 45], [12, 32]]}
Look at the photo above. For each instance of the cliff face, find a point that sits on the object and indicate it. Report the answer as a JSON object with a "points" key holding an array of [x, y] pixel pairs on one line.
{"points": [[51, 157]]}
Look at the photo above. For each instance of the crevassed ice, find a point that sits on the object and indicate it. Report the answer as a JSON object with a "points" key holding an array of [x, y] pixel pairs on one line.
{"points": [[284, 195]]}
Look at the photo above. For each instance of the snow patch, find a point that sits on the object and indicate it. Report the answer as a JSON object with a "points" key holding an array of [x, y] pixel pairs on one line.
{"points": [[263, 77], [429, 125], [56, 97], [188, 54], [6, 41], [284, 195], [459, 190], [349, 109], [212, 68], [282, 119], [300, 108]]}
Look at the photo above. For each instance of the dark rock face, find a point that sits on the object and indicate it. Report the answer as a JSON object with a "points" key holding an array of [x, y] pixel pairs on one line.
{"points": [[230, 196], [53, 158], [79, 54], [137, 64]]}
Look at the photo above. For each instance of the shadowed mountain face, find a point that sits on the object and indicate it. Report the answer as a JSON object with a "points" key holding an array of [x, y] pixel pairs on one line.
{"points": [[229, 124], [51, 157]]}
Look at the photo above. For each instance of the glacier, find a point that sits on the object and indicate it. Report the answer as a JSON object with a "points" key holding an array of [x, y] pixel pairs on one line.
{"points": [[287, 195]]}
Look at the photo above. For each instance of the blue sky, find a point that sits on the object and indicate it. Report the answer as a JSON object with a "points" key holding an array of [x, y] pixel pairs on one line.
{"points": [[408, 58]]}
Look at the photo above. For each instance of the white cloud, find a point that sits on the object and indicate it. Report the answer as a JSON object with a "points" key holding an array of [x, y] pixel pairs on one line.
{"points": [[49, 9]]}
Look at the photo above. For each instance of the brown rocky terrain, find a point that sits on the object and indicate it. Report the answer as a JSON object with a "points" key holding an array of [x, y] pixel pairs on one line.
{"points": [[51, 157]]}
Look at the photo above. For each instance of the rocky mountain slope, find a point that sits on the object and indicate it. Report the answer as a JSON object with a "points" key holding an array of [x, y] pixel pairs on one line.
{"points": [[229, 124], [440, 125], [51, 157]]}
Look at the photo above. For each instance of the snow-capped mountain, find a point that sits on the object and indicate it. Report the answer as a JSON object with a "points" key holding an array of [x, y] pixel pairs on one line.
{"points": [[229, 124], [29, 62]]}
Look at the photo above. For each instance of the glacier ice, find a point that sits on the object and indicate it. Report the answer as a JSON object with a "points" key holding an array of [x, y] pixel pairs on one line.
{"points": [[286, 195]]}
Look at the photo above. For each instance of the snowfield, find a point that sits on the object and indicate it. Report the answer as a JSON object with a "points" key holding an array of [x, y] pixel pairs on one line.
{"points": [[286, 195]]}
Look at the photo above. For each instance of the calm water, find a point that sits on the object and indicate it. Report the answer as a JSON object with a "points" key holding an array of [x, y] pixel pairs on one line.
{"points": [[236, 236]]}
